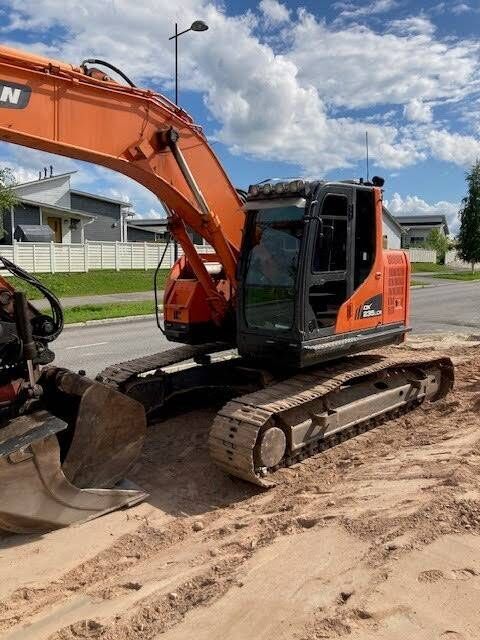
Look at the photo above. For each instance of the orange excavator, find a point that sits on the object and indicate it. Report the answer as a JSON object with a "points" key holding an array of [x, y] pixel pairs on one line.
{"points": [[299, 285]]}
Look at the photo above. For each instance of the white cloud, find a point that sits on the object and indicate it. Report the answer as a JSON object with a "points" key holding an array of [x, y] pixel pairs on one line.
{"points": [[461, 8], [470, 114], [456, 9], [20, 174], [274, 11], [413, 25], [357, 67], [277, 102], [413, 205], [154, 213], [417, 111], [454, 147], [352, 10]]}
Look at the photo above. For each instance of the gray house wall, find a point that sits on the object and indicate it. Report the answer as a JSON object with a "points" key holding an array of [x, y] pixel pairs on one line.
{"points": [[106, 226], [24, 214], [418, 235], [140, 235], [54, 191]]}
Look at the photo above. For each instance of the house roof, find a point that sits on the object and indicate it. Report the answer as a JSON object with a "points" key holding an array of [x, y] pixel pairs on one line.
{"points": [[42, 180], [433, 220], [55, 207], [95, 196], [148, 222], [75, 191]]}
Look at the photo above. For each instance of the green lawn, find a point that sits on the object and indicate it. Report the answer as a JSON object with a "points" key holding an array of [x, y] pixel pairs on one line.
{"points": [[416, 283], [94, 282], [103, 311], [428, 267], [466, 276]]}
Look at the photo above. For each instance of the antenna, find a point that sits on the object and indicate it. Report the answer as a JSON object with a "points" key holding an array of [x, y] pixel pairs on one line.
{"points": [[366, 147]]}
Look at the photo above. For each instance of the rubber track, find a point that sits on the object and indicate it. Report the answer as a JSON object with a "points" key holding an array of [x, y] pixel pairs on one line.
{"points": [[237, 426], [118, 375]]}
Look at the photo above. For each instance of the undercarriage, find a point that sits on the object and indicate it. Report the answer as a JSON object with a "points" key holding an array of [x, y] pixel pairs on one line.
{"points": [[277, 420]]}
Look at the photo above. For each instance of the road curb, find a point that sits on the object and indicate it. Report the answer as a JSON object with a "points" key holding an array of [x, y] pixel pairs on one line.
{"points": [[124, 319]]}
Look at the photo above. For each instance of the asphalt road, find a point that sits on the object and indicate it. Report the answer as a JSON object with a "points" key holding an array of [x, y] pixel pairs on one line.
{"points": [[445, 306], [94, 347]]}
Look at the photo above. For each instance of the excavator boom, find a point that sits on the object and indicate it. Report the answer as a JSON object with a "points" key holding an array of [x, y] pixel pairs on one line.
{"points": [[68, 110]]}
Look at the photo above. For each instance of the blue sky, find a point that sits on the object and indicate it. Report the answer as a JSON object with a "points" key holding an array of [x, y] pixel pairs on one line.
{"points": [[286, 89]]}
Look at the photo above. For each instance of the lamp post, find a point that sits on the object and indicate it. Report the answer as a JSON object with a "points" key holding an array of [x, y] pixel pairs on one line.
{"points": [[197, 25]]}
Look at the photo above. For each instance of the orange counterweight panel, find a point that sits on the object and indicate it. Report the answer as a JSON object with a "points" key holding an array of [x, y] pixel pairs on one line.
{"points": [[396, 282]]}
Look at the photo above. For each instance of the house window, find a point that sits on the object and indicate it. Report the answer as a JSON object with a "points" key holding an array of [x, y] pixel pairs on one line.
{"points": [[417, 240]]}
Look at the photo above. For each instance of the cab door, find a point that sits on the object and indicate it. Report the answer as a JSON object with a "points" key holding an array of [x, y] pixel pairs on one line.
{"points": [[329, 281], [365, 307]]}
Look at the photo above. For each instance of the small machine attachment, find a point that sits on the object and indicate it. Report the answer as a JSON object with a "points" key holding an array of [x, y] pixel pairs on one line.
{"points": [[65, 441]]}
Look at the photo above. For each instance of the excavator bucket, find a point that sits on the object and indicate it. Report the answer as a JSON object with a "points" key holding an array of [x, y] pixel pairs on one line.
{"points": [[60, 464], [107, 429]]}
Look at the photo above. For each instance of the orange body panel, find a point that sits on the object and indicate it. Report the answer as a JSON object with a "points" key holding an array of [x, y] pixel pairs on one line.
{"points": [[186, 303], [388, 278], [184, 299]]}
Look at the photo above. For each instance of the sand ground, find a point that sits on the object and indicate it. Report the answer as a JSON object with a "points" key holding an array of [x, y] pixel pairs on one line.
{"points": [[378, 538]]}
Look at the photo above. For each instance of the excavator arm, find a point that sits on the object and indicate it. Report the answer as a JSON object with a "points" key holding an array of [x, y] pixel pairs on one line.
{"points": [[82, 113]]}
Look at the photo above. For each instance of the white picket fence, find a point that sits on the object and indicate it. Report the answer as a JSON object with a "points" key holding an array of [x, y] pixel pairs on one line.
{"points": [[49, 257], [422, 255], [453, 261]]}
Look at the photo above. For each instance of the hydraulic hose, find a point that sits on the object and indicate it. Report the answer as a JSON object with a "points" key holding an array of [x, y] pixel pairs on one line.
{"points": [[109, 66], [155, 286], [56, 307]]}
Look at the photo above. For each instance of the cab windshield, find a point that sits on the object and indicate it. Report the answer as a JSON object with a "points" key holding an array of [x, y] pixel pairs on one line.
{"points": [[272, 264]]}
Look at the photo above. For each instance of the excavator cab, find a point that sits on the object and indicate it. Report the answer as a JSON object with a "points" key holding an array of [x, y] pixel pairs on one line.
{"points": [[314, 280]]}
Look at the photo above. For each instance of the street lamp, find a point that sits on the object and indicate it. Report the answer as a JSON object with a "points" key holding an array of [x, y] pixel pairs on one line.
{"points": [[197, 25]]}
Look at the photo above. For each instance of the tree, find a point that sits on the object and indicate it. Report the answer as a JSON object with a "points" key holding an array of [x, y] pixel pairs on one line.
{"points": [[7, 196], [469, 234], [439, 242]]}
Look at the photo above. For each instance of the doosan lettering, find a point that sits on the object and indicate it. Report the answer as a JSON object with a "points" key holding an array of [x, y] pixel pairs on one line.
{"points": [[9, 94], [13, 95]]}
